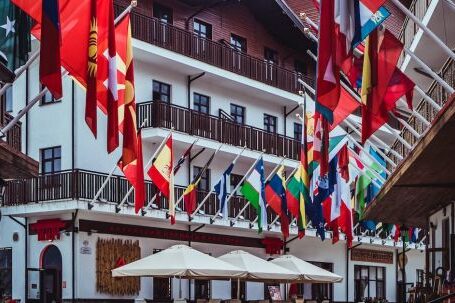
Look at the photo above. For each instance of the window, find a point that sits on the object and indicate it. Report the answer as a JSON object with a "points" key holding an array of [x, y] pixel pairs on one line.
{"points": [[8, 97], [269, 123], [201, 103], [238, 43], [270, 55], [161, 287], [161, 91], [298, 131], [163, 13], [51, 160], [6, 272], [369, 282], [204, 184], [202, 289], [202, 29], [48, 98], [238, 113]]}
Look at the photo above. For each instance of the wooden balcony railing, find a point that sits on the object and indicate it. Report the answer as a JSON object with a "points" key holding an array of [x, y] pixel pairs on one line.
{"points": [[153, 31], [165, 115], [83, 185], [437, 93], [13, 137]]}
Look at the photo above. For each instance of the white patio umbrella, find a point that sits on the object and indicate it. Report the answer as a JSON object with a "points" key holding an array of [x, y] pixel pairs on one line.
{"points": [[257, 268], [180, 261], [307, 271]]}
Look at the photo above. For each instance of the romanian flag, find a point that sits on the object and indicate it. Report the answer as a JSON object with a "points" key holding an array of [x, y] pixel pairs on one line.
{"points": [[162, 175], [50, 66], [275, 196], [189, 195], [131, 162]]}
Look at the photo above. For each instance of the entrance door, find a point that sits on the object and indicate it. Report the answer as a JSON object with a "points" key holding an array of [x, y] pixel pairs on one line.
{"points": [[51, 275]]}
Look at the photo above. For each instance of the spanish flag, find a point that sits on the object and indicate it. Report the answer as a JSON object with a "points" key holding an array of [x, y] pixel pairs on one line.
{"points": [[162, 175]]}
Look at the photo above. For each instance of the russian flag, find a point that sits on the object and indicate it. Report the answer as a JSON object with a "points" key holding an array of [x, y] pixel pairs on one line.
{"points": [[50, 66], [275, 195]]}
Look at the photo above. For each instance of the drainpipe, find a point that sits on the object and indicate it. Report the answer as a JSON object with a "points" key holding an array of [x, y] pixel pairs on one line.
{"points": [[73, 257], [347, 272], [190, 80], [26, 258], [72, 124], [26, 115], [404, 265]]}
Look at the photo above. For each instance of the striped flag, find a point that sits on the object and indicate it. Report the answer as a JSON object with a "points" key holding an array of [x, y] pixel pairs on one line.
{"points": [[254, 191], [221, 190], [275, 195], [162, 174]]}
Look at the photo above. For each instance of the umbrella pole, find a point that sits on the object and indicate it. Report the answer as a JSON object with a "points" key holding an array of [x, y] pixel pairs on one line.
{"points": [[238, 288], [180, 287]]}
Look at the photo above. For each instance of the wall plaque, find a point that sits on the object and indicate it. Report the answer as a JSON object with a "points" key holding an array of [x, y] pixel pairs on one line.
{"points": [[374, 256]]}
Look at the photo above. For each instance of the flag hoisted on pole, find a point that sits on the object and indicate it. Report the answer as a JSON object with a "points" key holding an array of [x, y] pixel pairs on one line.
{"points": [[50, 66], [221, 189], [131, 162], [275, 193], [254, 191], [162, 174]]}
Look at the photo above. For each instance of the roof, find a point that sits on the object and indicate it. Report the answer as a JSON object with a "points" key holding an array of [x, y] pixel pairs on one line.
{"points": [[425, 181]]}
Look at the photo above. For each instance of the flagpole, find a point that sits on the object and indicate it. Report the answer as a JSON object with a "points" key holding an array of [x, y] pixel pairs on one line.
{"points": [[125, 198], [150, 203], [267, 179], [181, 197], [212, 219], [361, 173], [40, 95], [287, 180], [211, 191], [425, 29], [407, 126], [414, 113], [20, 71]]}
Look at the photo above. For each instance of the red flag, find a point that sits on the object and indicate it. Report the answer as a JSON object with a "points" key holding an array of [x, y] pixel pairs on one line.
{"points": [[50, 65], [131, 162], [328, 72], [383, 59], [347, 105], [112, 101], [321, 143], [373, 5], [92, 66]]}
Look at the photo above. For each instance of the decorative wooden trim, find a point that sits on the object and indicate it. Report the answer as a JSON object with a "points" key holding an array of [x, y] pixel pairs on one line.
{"points": [[373, 256]]}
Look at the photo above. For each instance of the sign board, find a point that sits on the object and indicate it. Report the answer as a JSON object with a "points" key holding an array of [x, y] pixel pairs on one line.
{"points": [[275, 293], [85, 248], [373, 256]]}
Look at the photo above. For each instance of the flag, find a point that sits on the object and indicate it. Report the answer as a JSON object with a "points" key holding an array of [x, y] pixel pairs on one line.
{"points": [[221, 189], [321, 142], [162, 175], [366, 21], [382, 52], [328, 71], [414, 234], [253, 189], [186, 154], [347, 105], [373, 5], [395, 233], [50, 72], [275, 196], [92, 66], [131, 162], [112, 95], [345, 220], [14, 35], [189, 195]]}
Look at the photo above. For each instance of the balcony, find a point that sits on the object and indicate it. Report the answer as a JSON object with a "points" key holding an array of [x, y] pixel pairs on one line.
{"points": [[153, 31], [13, 137], [410, 29], [83, 185], [165, 115]]}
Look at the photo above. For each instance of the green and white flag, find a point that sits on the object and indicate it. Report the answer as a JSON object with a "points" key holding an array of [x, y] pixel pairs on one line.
{"points": [[254, 191], [14, 35]]}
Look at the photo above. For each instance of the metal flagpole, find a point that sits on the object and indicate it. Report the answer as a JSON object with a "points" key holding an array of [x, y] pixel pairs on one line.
{"points": [[415, 113], [427, 98], [181, 197], [287, 180], [367, 154], [125, 198], [20, 71], [407, 126], [150, 203], [237, 186], [23, 111], [267, 179], [211, 191], [425, 29]]}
